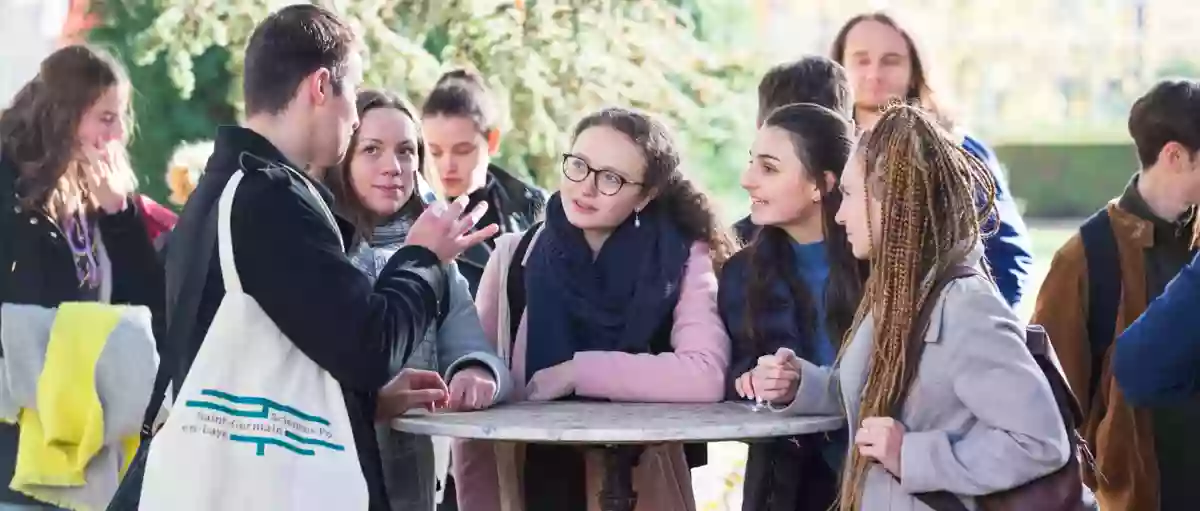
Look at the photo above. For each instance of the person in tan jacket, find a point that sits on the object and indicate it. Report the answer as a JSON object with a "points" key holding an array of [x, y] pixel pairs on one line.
{"points": [[1102, 279]]}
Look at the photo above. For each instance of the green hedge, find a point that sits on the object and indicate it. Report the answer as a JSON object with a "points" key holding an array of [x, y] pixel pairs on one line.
{"points": [[1066, 180]]}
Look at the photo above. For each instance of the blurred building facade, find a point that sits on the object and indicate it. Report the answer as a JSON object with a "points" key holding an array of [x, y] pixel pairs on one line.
{"points": [[1016, 64], [29, 31]]}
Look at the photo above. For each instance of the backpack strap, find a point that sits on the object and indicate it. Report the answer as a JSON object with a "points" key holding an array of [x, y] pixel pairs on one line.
{"points": [[1104, 289], [516, 280], [938, 500], [921, 325]]}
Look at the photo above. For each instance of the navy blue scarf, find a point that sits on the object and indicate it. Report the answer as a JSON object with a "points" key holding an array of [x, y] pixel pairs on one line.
{"points": [[614, 302]]}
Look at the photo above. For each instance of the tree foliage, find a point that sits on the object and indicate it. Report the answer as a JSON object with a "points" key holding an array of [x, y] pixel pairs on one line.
{"points": [[164, 117], [552, 61]]}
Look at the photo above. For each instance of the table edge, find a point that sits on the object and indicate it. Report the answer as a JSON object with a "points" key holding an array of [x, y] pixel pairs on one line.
{"points": [[417, 425]]}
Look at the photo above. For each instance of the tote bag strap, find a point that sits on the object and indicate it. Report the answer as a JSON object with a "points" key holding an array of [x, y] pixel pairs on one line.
{"points": [[224, 238], [229, 274]]}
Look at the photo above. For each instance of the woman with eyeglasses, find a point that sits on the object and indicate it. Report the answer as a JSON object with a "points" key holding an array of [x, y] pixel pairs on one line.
{"points": [[620, 305]]}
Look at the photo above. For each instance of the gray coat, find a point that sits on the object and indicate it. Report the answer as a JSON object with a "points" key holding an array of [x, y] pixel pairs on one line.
{"points": [[980, 415], [410, 466], [454, 340]]}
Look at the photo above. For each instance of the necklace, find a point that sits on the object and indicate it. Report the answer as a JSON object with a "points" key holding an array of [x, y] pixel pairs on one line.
{"points": [[84, 251]]}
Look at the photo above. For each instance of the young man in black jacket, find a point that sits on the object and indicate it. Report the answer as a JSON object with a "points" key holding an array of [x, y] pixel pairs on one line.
{"points": [[302, 68]]}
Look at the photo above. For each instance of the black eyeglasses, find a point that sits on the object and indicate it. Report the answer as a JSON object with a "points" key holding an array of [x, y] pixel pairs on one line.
{"points": [[607, 182]]}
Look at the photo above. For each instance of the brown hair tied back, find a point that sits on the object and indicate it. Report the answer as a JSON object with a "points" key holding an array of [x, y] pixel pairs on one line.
{"points": [[930, 189]]}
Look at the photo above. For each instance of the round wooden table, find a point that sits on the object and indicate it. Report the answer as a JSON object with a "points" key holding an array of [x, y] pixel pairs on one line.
{"points": [[621, 429]]}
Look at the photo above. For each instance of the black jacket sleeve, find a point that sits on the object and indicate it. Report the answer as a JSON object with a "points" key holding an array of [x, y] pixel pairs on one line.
{"points": [[137, 272], [731, 304], [291, 262]]}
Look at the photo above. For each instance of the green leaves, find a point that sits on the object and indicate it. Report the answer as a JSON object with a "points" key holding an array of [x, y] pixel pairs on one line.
{"points": [[552, 61]]}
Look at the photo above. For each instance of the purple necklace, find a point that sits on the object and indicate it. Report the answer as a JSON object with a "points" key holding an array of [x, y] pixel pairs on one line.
{"points": [[84, 250]]}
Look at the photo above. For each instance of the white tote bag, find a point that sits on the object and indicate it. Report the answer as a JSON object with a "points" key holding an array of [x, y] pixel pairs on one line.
{"points": [[257, 424]]}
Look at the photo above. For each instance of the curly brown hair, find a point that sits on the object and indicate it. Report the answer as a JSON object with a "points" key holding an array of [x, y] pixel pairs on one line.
{"points": [[686, 203], [930, 189], [38, 132]]}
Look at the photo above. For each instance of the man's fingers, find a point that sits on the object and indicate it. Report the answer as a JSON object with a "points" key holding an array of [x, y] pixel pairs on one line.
{"points": [[424, 397], [464, 223], [455, 208], [417, 379], [479, 236]]}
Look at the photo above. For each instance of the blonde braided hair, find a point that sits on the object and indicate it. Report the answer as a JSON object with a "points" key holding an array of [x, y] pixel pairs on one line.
{"points": [[929, 187]]}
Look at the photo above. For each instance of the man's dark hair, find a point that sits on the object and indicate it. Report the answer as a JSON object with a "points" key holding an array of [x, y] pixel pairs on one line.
{"points": [[1169, 112], [289, 45], [812, 79], [463, 93]]}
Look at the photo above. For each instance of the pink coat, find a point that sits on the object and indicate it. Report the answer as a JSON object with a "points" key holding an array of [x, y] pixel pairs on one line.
{"points": [[487, 473]]}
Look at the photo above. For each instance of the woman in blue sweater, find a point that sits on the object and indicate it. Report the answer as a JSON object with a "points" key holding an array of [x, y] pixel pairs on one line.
{"points": [[796, 286]]}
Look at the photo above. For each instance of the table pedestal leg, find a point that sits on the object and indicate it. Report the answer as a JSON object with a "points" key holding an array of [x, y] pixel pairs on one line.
{"points": [[617, 493]]}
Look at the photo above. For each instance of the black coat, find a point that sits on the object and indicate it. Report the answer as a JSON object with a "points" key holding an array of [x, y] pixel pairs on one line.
{"points": [[782, 474], [292, 264], [513, 205], [39, 269]]}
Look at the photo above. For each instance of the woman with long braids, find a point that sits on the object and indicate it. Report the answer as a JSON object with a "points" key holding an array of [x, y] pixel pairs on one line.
{"points": [[973, 414], [796, 286]]}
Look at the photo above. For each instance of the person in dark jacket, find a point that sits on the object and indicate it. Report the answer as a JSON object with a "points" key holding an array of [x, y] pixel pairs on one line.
{"points": [[69, 227], [884, 65], [811, 79], [461, 123], [1145, 457], [302, 68], [796, 286]]}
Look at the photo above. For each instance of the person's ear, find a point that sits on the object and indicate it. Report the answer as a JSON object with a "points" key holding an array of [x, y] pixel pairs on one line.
{"points": [[318, 87], [651, 195], [831, 181], [493, 141]]}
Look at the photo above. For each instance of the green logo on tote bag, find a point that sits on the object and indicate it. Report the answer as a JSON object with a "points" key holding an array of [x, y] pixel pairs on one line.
{"points": [[262, 422]]}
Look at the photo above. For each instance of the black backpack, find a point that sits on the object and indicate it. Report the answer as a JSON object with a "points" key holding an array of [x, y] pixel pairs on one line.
{"points": [[1104, 290], [696, 454]]}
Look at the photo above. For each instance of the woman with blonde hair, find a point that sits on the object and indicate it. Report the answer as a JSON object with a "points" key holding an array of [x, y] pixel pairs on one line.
{"points": [[958, 404]]}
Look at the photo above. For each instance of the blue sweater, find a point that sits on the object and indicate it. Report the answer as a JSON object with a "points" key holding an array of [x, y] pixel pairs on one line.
{"points": [[813, 267], [1008, 251], [1157, 359]]}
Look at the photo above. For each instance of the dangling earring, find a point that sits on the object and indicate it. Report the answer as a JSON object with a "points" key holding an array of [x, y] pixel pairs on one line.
{"points": [[637, 218]]}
